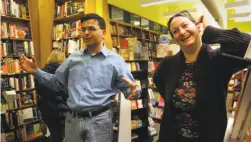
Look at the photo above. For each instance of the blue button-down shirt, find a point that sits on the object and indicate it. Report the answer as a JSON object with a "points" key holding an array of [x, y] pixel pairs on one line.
{"points": [[91, 80]]}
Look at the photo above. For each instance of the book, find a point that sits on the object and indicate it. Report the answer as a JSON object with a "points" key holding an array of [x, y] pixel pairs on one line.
{"points": [[248, 52]]}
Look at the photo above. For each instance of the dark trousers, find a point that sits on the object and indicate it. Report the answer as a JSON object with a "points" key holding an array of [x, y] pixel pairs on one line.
{"points": [[185, 139], [54, 124]]}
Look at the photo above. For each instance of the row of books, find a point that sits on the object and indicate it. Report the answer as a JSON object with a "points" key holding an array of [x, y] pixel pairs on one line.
{"points": [[155, 112], [17, 83], [13, 119], [124, 30], [113, 28], [134, 66], [136, 123], [11, 8], [13, 101], [16, 48], [13, 30], [137, 104], [151, 67], [126, 43], [69, 46], [25, 133], [155, 98], [68, 8], [135, 51], [132, 32], [66, 30], [11, 67]]}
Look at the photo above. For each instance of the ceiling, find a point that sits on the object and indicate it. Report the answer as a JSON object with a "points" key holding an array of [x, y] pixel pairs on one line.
{"points": [[214, 8]]}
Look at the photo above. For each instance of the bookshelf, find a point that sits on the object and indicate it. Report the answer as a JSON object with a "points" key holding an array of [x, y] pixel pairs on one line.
{"points": [[20, 117], [124, 35], [242, 116], [67, 26]]}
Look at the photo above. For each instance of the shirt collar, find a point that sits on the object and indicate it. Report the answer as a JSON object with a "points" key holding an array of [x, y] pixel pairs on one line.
{"points": [[103, 51]]}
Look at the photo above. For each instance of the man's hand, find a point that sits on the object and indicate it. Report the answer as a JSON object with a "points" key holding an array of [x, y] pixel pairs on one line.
{"points": [[133, 88], [28, 65]]}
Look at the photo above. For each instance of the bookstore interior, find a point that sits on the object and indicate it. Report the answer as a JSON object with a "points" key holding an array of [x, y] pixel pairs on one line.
{"points": [[137, 31]]}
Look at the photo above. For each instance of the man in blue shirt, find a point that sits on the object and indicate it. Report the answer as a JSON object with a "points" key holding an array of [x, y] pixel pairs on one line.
{"points": [[92, 77]]}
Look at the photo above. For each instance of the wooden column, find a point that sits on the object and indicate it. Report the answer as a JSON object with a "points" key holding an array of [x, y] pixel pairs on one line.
{"points": [[42, 15], [46, 16], [34, 23], [101, 8]]}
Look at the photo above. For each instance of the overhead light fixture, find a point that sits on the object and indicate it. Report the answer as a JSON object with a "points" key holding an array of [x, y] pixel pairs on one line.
{"points": [[241, 17], [169, 14], [146, 3], [242, 9], [237, 4], [136, 23]]}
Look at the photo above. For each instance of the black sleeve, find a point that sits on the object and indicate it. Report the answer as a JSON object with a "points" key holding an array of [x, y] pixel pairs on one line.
{"points": [[39, 88], [232, 42], [158, 77]]}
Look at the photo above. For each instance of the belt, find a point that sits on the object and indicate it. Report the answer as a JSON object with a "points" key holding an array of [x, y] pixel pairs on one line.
{"points": [[90, 113]]}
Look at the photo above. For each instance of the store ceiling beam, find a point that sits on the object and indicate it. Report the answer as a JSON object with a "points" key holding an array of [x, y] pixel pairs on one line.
{"points": [[216, 8]]}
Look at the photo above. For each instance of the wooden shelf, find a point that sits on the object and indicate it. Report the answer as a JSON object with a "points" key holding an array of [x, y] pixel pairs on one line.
{"points": [[19, 91], [9, 130], [66, 38], [14, 18], [16, 109], [140, 109], [153, 49], [26, 90], [136, 60], [15, 57], [156, 118], [138, 127], [35, 139], [72, 18], [16, 39], [114, 35], [237, 75], [14, 74], [124, 35], [154, 41], [134, 72], [30, 123]]}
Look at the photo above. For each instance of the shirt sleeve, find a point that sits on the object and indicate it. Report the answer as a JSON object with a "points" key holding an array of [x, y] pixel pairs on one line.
{"points": [[123, 71], [58, 81]]}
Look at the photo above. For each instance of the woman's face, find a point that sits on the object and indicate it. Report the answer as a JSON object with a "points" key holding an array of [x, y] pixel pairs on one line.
{"points": [[185, 32]]}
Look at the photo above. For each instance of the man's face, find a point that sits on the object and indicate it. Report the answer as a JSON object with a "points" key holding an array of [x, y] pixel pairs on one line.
{"points": [[185, 32], [91, 33]]}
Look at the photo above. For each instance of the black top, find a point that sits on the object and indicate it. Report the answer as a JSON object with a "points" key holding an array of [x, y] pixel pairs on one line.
{"points": [[184, 119], [50, 101], [213, 72]]}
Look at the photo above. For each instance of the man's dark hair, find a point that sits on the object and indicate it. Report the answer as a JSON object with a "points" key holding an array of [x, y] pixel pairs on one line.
{"points": [[183, 13], [101, 21]]}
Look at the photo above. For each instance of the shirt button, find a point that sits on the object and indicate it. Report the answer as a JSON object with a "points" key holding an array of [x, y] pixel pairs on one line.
{"points": [[84, 88]]}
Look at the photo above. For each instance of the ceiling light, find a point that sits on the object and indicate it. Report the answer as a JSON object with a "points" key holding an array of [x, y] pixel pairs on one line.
{"points": [[136, 23], [169, 14], [241, 17], [237, 4], [146, 3], [242, 9]]}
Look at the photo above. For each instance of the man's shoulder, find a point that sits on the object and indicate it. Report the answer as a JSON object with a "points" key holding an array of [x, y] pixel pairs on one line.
{"points": [[114, 55]]}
